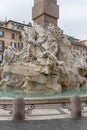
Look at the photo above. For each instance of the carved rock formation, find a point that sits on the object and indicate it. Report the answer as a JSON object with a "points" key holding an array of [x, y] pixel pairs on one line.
{"points": [[45, 64]]}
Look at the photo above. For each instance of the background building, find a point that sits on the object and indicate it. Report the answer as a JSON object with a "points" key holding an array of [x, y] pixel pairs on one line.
{"points": [[78, 48], [11, 33]]}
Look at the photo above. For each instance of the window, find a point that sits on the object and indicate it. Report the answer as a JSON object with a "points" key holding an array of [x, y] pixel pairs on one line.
{"points": [[13, 36], [83, 54], [1, 58], [20, 37], [77, 53], [20, 46], [74, 47], [1, 45], [1, 24], [13, 44], [81, 51], [1, 33]]}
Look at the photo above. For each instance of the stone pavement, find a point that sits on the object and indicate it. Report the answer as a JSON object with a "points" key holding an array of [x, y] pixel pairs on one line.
{"points": [[45, 118], [52, 124]]}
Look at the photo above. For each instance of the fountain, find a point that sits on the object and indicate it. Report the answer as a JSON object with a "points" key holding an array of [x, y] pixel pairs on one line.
{"points": [[41, 72], [45, 65]]}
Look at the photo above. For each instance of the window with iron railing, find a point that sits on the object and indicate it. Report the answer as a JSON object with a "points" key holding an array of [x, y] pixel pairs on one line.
{"points": [[20, 46], [13, 44]]}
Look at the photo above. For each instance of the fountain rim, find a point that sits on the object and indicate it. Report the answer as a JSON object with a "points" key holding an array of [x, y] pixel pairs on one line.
{"points": [[40, 100]]}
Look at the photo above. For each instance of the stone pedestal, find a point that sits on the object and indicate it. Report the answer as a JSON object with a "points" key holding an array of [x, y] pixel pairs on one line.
{"points": [[18, 109]]}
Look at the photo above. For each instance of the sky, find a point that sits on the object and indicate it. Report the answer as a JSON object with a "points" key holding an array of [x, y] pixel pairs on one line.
{"points": [[72, 19]]}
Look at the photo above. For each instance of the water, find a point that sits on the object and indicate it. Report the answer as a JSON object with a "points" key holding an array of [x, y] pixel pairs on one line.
{"points": [[64, 93]]}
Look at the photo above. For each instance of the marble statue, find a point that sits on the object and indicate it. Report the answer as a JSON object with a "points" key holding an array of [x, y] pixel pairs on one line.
{"points": [[8, 55], [46, 64]]}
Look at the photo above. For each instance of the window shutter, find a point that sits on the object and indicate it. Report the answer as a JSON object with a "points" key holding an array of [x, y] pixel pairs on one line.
{"points": [[15, 45], [3, 45]]}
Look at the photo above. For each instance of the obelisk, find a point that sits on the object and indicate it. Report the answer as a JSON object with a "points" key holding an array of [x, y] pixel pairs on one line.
{"points": [[45, 11]]}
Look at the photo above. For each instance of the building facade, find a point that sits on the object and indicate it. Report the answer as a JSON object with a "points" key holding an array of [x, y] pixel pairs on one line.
{"points": [[11, 33], [78, 48]]}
